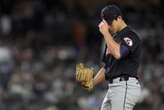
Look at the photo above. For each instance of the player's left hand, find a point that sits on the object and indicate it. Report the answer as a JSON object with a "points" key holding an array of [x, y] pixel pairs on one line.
{"points": [[103, 27], [84, 76], [87, 85]]}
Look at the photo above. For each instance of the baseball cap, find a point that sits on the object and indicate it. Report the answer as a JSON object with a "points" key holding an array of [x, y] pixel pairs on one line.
{"points": [[110, 12]]}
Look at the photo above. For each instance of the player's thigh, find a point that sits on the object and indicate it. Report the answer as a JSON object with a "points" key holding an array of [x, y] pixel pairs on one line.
{"points": [[117, 102], [133, 94], [106, 105], [119, 97], [125, 97]]}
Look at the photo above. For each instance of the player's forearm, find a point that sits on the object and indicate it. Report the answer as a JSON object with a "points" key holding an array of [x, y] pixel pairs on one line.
{"points": [[99, 77], [112, 45]]}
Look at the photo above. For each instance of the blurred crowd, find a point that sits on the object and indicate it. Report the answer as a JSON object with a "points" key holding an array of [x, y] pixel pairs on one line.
{"points": [[41, 41]]}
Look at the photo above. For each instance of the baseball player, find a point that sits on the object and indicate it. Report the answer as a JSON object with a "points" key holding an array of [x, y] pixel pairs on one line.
{"points": [[121, 59]]}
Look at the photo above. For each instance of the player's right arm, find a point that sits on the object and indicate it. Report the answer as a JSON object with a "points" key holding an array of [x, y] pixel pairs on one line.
{"points": [[100, 76]]}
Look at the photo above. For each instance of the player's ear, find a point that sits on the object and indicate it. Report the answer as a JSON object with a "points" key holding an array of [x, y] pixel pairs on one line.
{"points": [[119, 17]]}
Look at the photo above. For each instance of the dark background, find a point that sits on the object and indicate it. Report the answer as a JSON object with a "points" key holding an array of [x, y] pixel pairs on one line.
{"points": [[41, 41]]}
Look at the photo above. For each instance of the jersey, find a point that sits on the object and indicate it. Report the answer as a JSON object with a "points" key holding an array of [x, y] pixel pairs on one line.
{"points": [[127, 65]]}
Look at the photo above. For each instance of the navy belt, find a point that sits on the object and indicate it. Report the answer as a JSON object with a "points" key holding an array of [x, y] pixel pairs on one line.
{"points": [[122, 78]]}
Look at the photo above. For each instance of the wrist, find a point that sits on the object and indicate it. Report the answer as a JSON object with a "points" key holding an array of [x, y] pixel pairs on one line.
{"points": [[94, 82]]}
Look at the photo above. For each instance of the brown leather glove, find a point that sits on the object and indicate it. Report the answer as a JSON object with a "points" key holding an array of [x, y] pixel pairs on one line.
{"points": [[84, 76]]}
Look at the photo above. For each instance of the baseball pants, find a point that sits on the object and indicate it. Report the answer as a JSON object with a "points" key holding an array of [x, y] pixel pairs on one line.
{"points": [[122, 95]]}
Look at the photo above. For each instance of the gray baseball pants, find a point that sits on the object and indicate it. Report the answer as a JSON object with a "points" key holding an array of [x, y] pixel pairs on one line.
{"points": [[122, 95]]}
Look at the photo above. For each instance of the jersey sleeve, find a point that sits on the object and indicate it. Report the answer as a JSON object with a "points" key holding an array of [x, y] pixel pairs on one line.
{"points": [[130, 41]]}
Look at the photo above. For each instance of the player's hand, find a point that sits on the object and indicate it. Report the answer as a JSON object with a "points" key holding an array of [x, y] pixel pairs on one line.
{"points": [[87, 85], [84, 76], [103, 27]]}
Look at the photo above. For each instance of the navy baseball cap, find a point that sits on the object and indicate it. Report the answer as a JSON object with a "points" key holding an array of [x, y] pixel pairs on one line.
{"points": [[110, 12]]}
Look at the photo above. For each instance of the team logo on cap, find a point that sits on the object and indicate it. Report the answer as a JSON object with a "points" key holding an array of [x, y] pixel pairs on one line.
{"points": [[128, 41]]}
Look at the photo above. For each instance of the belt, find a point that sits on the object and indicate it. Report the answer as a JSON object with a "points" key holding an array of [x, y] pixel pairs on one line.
{"points": [[122, 78]]}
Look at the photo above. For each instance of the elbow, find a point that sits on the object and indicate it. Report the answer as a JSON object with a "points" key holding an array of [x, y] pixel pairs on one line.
{"points": [[117, 55]]}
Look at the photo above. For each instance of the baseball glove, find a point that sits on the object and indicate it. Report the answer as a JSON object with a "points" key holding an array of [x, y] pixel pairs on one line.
{"points": [[84, 76]]}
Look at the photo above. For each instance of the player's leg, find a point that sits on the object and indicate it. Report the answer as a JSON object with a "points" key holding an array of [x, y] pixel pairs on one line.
{"points": [[133, 93], [106, 105], [125, 95], [118, 95]]}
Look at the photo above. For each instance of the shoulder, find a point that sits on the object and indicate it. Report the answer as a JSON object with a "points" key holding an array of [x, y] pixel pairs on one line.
{"points": [[130, 37], [131, 34]]}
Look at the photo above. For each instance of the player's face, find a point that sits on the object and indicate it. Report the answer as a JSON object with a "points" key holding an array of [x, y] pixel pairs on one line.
{"points": [[115, 26]]}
